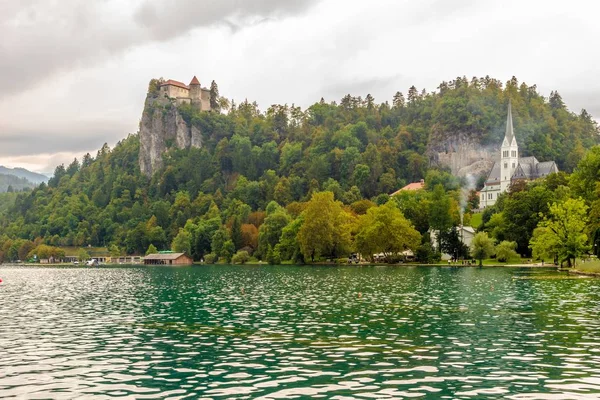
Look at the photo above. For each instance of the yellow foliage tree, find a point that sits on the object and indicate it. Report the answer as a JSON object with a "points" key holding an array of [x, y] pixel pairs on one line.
{"points": [[326, 230], [384, 229]]}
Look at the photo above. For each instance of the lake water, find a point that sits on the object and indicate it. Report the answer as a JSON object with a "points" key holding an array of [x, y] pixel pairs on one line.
{"points": [[298, 332]]}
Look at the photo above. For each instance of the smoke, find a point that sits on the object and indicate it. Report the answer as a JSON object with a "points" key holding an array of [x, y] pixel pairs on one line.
{"points": [[470, 181]]}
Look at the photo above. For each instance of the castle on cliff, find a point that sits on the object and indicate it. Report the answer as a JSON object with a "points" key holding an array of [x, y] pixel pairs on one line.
{"points": [[193, 93], [511, 167]]}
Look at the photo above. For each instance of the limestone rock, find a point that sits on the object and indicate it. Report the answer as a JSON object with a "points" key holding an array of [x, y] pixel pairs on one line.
{"points": [[161, 127], [460, 152]]}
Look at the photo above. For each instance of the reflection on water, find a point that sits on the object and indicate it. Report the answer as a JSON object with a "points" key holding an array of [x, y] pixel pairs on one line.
{"points": [[291, 332]]}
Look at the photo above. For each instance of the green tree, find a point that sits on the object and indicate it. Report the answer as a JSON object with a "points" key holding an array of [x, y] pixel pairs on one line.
{"points": [[482, 247], [270, 231], [151, 249], [325, 230], [214, 96], [586, 177], [83, 255], [182, 243], [506, 250], [228, 250], [218, 241], [383, 229], [241, 257], [288, 246], [114, 250], [562, 232]]}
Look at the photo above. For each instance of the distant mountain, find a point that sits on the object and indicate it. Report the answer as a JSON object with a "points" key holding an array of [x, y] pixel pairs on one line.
{"points": [[33, 177], [11, 183]]}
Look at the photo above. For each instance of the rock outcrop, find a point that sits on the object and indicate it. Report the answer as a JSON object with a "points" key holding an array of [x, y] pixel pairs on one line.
{"points": [[460, 152], [162, 127]]}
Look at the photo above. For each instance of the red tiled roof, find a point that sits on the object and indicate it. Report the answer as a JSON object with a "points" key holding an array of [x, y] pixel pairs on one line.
{"points": [[411, 186], [175, 83], [194, 81]]}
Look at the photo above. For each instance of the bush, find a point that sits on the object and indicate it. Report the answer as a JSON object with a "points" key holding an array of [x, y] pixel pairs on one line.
{"points": [[506, 250], [273, 256], [241, 257], [210, 258]]}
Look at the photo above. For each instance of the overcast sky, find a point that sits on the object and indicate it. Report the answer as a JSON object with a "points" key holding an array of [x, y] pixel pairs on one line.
{"points": [[74, 73]]}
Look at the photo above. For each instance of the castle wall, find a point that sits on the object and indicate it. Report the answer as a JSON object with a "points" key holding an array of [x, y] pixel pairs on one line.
{"points": [[205, 99], [195, 91], [175, 91]]}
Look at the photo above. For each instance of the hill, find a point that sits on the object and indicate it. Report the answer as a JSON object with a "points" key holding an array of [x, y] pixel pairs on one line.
{"points": [[245, 159], [11, 183], [32, 177]]}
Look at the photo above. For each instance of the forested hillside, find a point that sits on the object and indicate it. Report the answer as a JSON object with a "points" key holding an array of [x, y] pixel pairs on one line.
{"points": [[11, 183], [250, 182]]}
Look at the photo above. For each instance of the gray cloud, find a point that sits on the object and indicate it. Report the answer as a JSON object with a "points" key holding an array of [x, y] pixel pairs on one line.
{"points": [[41, 38], [166, 19], [74, 72], [22, 143]]}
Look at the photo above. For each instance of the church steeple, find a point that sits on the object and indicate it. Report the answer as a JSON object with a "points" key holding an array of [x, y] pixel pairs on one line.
{"points": [[509, 135], [509, 157]]}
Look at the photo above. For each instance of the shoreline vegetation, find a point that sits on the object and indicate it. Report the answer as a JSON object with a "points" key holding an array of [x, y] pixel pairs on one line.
{"points": [[296, 186], [487, 264]]}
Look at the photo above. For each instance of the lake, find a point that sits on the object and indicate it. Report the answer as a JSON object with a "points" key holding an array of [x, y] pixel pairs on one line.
{"points": [[287, 332]]}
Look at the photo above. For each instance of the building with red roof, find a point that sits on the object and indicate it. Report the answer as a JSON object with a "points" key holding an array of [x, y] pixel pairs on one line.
{"points": [[411, 186], [193, 93]]}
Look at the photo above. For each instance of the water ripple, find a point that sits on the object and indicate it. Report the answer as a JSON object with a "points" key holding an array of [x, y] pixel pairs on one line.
{"points": [[290, 332]]}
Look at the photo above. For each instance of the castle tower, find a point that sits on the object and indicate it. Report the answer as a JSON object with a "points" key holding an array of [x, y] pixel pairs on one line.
{"points": [[509, 159], [195, 90]]}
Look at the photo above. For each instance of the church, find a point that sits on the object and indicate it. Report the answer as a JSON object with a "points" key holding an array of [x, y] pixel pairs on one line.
{"points": [[511, 168]]}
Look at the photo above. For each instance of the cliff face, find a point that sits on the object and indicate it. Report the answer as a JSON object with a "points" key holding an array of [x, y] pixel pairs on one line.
{"points": [[162, 127], [460, 152]]}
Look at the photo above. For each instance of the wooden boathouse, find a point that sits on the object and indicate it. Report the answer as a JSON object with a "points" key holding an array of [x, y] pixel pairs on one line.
{"points": [[168, 259]]}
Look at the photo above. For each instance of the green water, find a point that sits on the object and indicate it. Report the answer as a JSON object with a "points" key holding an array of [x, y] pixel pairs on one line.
{"points": [[298, 332]]}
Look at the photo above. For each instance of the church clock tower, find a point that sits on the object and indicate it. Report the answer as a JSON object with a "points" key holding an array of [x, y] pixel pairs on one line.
{"points": [[509, 159]]}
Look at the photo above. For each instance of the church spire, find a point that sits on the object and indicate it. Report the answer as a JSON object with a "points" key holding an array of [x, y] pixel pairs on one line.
{"points": [[509, 135]]}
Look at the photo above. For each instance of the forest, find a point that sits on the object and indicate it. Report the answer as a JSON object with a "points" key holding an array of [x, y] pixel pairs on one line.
{"points": [[309, 185]]}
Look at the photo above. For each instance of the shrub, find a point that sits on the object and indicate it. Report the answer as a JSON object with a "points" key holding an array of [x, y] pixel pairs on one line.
{"points": [[210, 258], [506, 250], [241, 257]]}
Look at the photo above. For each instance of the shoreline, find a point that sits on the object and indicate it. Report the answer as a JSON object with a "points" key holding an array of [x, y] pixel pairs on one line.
{"points": [[323, 264]]}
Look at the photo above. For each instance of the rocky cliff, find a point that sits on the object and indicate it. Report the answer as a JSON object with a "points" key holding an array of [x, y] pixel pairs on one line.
{"points": [[460, 152], [162, 127]]}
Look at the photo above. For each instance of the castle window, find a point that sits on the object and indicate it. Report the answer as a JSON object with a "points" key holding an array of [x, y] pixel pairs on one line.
{"points": [[514, 153], [513, 165], [505, 165]]}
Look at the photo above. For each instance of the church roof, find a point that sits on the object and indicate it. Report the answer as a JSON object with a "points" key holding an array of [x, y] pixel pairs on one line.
{"points": [[494, 176], [194, 81], [509, 135], [546, 168], [531, 168]]}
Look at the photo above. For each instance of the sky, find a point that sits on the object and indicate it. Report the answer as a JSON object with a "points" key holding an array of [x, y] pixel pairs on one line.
{"points": [[74, 73]]}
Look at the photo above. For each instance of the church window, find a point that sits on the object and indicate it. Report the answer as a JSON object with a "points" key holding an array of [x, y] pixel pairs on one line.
{"points": [[513, 153], [513, 165], [505, 165]]}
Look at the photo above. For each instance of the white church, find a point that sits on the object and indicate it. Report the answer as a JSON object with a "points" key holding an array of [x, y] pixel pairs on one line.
{"points": [[511, 168]]}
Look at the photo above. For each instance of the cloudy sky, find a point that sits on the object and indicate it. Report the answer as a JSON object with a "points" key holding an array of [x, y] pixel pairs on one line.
{"points": [[74, 73]]}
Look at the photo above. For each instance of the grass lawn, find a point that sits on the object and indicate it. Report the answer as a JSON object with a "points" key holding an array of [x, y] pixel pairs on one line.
{"points": [[512, 261], [588, 266]]}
